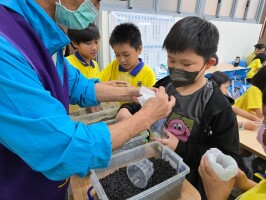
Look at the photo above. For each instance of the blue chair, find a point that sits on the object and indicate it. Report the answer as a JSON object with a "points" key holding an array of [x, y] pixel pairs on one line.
{"points": [[240, 83], [232, 78], [231, 74], [241, 74], [242, 63]]}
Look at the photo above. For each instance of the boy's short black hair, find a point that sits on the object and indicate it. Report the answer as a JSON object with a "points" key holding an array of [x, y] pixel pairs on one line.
{"points": [[261, 56], [126, 33], [193, 33], [259, 79], [220, 78], [259, 46], [91, 32]]}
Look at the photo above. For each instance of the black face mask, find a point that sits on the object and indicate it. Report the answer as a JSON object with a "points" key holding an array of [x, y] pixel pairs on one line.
{"points": [[182, 78]]}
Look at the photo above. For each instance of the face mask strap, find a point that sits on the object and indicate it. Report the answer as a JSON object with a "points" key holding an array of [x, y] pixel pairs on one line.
{"points": [[200, 71]]}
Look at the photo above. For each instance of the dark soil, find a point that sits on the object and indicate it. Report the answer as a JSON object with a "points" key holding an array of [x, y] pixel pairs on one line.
{"points": [[117, 185]]}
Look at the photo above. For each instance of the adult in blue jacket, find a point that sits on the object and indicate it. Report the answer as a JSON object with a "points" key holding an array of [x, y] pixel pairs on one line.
{"points": [[40, 146]]}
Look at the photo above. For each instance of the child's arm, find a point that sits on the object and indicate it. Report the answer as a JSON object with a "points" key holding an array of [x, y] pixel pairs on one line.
{"points": [[258, 112], [248, 125], [245, 114]]}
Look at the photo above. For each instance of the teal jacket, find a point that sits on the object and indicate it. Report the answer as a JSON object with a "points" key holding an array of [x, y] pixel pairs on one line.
{"points": [[35, 125]]}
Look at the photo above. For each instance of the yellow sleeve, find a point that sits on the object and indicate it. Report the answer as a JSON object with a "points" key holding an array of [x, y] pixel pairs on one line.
{"points": [[254, 98], [255, 65], [251, 99], [258, 192], [250, 58]]}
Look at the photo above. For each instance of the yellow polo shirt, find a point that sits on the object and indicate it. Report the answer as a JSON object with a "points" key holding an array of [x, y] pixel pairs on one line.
{"points": [[251, 99], [141, 75], [89, 70], [250, 57], [255, 65]]}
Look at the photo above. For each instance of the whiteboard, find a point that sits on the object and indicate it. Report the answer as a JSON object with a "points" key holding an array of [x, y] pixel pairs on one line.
{"points": [[154, 29]]}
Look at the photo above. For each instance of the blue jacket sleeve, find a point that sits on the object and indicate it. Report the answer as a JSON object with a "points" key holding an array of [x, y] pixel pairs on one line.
{"points": [[79, 87], [35, 126]]}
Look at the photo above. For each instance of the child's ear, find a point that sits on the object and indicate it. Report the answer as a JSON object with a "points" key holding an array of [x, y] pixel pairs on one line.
{"points": [[74, 44], [139, 50], [210, 62]]}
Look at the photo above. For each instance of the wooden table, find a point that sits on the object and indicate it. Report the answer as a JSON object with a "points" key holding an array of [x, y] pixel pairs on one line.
{"points": [[222, 67], [80, 187], [248, 140]]}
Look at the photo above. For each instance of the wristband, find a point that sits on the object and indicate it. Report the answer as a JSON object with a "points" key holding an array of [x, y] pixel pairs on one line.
{"points": [[242, 125]]}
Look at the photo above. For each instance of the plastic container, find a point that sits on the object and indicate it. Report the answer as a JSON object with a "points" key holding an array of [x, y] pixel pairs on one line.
{"points": [[134, 142], [169, 189], [104, 115], [140, 172], [157, 129]]}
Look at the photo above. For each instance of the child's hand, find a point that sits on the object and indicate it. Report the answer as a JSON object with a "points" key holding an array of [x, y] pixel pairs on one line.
{"points": [[251, 126], [94, 109], [171, 141], [242, 181], [214, 187], [122, 114]]}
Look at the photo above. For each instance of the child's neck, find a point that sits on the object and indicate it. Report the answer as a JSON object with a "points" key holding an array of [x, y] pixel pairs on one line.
{"points": [[131, 69], [190, 89], [88, 61]]}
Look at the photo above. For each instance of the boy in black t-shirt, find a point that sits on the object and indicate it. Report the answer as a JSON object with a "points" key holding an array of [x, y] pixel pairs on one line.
{"points": [[202, 117]]}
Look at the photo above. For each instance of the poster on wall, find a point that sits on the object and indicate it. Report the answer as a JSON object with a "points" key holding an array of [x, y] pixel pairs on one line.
{"points": [[154, 29]]}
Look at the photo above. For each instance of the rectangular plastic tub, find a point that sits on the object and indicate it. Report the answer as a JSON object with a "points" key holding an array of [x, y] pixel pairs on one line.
{"points": [[107, 114], [169, 189], [134, 142], [104, 115]]}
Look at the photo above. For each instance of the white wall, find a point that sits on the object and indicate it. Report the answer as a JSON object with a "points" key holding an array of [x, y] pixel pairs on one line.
{"points": [[236, 39], [104, 57]]}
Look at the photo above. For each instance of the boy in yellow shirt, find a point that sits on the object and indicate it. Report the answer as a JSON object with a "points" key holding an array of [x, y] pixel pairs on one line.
{"points": [[259, 48], [127, 45], [86, 45]]}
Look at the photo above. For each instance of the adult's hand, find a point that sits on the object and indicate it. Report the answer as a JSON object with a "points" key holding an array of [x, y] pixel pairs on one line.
{"points": [[160, 106], [154, 109]]}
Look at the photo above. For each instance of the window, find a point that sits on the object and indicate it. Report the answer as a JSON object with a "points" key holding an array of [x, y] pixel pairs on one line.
{"points": [[226, 8]]}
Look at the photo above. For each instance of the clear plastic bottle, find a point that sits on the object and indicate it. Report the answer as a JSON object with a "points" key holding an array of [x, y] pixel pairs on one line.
{"points": [[158, 129]]}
